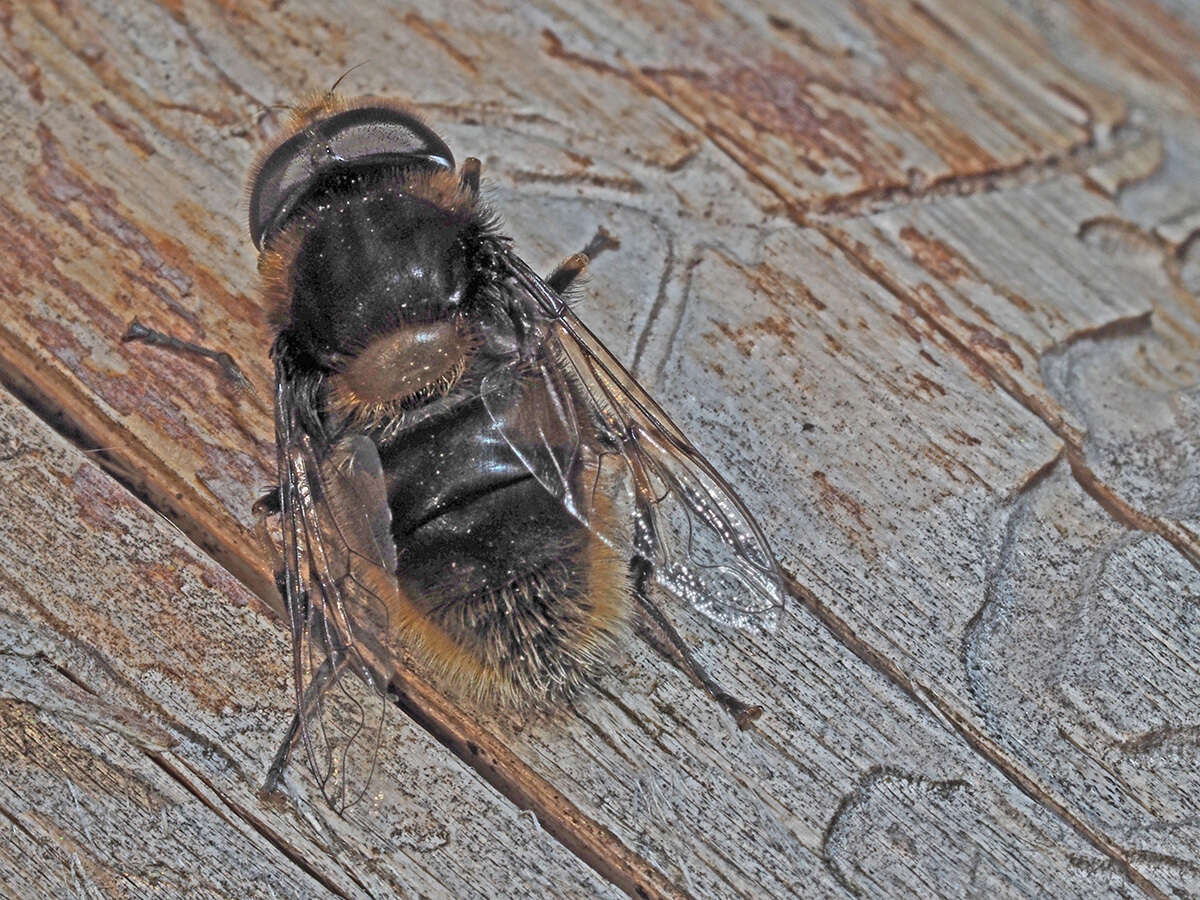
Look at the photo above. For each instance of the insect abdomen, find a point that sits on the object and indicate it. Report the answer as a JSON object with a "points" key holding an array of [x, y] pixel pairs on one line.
{"points": [[538, 634], [519, 599]]}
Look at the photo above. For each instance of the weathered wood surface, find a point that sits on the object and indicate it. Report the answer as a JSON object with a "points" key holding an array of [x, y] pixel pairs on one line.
{"points": [[921, 278], [143, 695]]}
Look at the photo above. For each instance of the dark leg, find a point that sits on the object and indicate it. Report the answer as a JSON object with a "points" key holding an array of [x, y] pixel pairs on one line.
{"points": [[568, 270], [282, 755], [600, 242], [469, 175], [325, 675], [572, 267], [139, 332], [664, 638], [268, 504], [264, 508]]}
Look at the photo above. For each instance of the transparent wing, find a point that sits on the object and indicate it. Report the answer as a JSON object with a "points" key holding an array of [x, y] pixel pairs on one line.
{"points": [[536, 407], [339, 566], [585, 429]]}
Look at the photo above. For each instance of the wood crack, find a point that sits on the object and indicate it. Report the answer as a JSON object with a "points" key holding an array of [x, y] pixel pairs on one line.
{"points": [[66, 408], [656, 307], [1178, 536], [980, 742], [1166, 859], [858, 795], [1122, 326], [588, 839], [1098, 147], [1152, 740], [976, 625], [118, 454], [1074, 161], [276, 840], [1077, 158]]}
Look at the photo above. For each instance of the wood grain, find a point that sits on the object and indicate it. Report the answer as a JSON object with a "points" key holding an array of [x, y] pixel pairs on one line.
{"points": [[921, 279], [143, 696]]}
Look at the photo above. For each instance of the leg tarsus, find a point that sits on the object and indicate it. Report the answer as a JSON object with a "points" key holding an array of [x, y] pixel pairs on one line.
{"points": [[602, 240], [326, 674], [139, 332], [282, 755], [664, 638]]}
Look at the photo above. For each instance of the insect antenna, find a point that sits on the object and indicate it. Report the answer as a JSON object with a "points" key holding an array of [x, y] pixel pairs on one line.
{"points": [[333, 87]]}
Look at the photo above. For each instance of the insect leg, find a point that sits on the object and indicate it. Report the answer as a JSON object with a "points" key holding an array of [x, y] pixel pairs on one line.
{"points": [[264, 508], [600, 242], [672, 645], [567, 271], [572, 267], [469, 175], [269, 504], [282, 755], [326, 674], [139, 332]]}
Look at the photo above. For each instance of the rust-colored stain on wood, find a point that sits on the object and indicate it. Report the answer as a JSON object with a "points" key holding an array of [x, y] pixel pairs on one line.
{"points": [[919, 278]]}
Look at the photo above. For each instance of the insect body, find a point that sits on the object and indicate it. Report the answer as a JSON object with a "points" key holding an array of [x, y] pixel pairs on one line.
{"points": [[465, 471]]}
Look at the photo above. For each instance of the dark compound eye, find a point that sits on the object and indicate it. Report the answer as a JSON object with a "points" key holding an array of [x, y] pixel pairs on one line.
{"points": [[356, 138]]}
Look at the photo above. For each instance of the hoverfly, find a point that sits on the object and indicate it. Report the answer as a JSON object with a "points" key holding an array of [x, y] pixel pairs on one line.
{"points": [[466, 474]]}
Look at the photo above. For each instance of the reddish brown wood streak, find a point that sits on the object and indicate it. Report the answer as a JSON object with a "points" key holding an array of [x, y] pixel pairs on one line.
{"points": [[839, 123]]}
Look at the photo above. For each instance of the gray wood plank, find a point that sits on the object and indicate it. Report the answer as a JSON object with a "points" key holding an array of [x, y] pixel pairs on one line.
{"points": [[143, 695], [888, 443]]}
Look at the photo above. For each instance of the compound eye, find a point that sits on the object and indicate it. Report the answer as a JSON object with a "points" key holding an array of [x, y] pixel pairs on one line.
{"points": [[366, 134], [281, 175], [372, 135]]}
